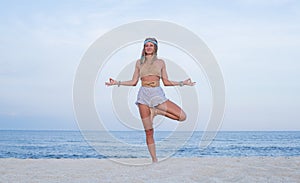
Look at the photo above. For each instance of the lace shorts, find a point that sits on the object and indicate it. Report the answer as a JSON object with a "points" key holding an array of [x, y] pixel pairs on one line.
{"points": [[151, 96]]}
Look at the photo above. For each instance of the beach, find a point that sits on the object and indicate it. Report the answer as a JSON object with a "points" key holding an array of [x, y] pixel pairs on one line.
{"points": [[206, 169]]}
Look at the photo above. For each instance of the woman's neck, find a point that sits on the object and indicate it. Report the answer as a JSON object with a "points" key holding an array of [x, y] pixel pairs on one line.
{"points": [[149, 56]]}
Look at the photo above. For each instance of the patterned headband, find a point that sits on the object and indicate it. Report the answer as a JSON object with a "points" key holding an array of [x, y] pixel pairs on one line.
{"points": [[151, 41]]}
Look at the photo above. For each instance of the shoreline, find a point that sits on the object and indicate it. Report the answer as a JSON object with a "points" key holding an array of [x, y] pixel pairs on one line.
{"points": [[202, 169]]}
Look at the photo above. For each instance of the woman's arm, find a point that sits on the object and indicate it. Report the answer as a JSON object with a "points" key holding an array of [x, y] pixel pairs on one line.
{"points": [[132, 82], [167, 82]]}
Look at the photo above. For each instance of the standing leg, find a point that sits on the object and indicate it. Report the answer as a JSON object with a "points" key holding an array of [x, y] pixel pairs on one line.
{"points": [[147, 122]]}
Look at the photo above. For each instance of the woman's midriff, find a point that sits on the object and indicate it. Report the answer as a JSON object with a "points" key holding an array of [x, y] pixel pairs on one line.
{"points": [[150, 81]]}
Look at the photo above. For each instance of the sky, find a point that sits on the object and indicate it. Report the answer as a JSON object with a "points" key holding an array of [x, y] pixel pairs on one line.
{"points": [[256, 44]]}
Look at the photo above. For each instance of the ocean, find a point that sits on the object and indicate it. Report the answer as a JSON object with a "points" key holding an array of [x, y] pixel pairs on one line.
{"points": [[131, 144]]}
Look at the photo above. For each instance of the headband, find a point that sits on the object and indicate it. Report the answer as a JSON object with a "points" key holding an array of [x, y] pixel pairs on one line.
{"points": [[151, 41]]}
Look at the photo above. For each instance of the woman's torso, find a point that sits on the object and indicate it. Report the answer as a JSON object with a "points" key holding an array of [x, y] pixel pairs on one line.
{"points": [[151, 70]]}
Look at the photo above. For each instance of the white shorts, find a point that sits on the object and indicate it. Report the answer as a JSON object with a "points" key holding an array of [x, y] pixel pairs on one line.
{"points": [[151, 96]]}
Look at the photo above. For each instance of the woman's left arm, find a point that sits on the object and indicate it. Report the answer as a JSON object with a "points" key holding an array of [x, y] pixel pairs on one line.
{"points": [[167, 82]]}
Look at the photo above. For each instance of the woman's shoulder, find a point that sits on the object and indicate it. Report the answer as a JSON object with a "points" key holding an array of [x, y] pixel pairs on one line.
{"points": [[159, 60], [138, 62]]}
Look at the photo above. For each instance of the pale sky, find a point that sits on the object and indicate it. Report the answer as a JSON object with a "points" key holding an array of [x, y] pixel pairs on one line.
{"points": [[256, 44]]}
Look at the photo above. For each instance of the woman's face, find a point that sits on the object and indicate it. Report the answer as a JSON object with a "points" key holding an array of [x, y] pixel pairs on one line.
{"points": [[149, 48]]}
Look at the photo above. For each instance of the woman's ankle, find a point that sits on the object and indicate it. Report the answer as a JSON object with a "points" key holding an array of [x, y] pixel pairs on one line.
{"points": [[154, 160]]}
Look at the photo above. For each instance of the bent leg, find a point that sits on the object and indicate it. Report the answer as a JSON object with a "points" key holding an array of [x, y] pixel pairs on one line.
{"points": [[171, 110]]}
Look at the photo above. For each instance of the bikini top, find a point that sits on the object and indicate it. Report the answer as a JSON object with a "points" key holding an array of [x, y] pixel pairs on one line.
{"points": [[150, 68]]}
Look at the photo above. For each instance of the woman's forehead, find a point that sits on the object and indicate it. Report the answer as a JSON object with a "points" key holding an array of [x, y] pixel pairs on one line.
{"points": [[149, 43]]}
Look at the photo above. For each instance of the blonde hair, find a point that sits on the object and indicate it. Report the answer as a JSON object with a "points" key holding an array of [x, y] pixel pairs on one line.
{"points": [[143, 56]]}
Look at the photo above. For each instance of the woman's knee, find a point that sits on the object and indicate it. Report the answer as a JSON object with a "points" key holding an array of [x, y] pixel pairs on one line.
{"points": [[182, 116], [149, 136], [149, 132]]}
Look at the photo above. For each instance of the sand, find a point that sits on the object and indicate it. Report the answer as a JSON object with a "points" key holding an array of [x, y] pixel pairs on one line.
{"points": [[210, 169]]}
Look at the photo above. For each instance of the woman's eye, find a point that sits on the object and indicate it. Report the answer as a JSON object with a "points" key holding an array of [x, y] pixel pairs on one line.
{"points": [[149, 45]]}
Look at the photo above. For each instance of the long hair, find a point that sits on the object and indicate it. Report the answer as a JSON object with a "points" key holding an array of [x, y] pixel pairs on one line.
{"points": [[143, 56]]}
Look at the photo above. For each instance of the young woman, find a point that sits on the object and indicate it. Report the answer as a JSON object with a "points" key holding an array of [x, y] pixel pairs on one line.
{"points": [[151, 99]]}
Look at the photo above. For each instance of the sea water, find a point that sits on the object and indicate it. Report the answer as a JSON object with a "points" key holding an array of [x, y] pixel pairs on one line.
{"points": [[131, 144]]}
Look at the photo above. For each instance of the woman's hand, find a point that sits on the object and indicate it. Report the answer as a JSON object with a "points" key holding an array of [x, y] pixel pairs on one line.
{"points": [[111, 82], [189, 82]]}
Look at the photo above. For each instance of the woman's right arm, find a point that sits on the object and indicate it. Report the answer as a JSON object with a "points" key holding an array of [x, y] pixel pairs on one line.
{"points": [[132, 82], [167, 82]]}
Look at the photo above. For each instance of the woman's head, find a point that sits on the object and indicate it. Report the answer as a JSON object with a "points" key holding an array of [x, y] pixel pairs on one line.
{"points": [[150, 48]]}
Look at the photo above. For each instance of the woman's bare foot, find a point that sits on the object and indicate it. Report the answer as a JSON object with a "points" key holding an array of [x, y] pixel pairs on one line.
{"points": [[154, 160], [153, 113]]}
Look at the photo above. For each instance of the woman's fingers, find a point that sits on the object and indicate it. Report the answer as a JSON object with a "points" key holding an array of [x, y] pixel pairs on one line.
{"points": [[189, 82], [111, 82]]}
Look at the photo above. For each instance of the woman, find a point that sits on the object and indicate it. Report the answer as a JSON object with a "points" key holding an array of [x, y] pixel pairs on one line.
{"points": [[151, 99]]}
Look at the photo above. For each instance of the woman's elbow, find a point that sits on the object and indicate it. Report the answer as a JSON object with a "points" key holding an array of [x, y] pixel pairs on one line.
{"points": [[166, 83], [134, 83]]}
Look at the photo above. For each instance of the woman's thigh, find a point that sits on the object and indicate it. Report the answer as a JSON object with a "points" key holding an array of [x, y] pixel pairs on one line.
{"points": [[172, 108], [145, 115]]}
